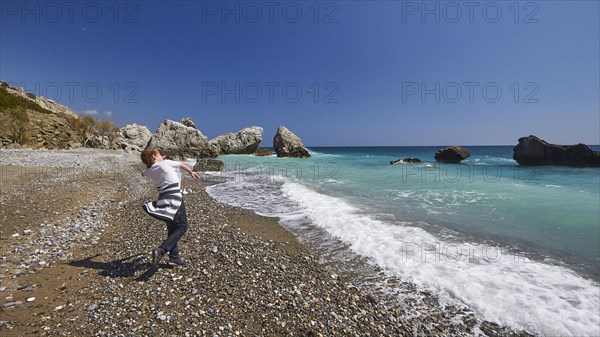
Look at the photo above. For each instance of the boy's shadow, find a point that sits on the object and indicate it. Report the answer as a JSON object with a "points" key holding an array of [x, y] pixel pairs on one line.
{"points": [[125, 267]]}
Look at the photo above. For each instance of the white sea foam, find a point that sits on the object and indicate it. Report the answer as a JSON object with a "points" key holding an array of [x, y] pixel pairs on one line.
{"points": [[259, 196], [504, 287], [508, 288], [332, 181], [446, 200], [489, 161], [320, 154]]}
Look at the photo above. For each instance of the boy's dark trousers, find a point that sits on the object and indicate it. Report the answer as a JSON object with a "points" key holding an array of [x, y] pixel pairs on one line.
{"points": [[175, 230]]}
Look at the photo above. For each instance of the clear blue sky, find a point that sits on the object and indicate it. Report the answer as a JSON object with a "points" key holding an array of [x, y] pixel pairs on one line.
{"points": [[372, 60]]}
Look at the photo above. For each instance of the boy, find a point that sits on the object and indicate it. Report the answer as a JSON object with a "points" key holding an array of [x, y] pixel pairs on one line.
{"points": [[169, 207]]}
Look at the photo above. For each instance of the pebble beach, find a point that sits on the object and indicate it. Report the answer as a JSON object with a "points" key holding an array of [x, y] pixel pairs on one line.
{"points": [[75, 253]]}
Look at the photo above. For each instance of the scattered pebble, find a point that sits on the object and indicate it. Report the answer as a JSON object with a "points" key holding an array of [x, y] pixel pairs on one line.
{"points": [[161, 316], [236, 284]]}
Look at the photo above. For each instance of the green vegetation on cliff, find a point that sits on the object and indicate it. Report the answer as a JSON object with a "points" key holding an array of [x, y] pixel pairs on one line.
{"points": [[26, 123], [14, 122], [9, 101]]}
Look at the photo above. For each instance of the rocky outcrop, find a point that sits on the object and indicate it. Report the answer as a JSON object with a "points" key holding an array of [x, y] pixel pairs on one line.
{"points": [[245, 141], [262, 153], [452, 154], [43, 102], [204, 165], [134, 137], [534, 151], [35, 122], [51, 131], [55, 107], [188, 122], [287, 144], [99, 142], [406, 160], [176, 140]]}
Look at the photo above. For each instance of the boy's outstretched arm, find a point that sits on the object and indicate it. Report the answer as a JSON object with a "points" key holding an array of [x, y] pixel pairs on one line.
{"points": [[187, 169]]}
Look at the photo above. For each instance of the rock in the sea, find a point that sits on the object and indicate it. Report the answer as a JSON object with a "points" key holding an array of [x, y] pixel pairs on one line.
{"points": [[245, 141], [406, 160], [534, 151], [452, 154], [188, 122], [176, 140], [287, 144], [203, 165], [134, 137], [263, 153]]}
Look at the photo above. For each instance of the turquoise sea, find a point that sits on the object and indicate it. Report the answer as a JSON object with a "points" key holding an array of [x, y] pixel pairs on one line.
{"points": [[515, 244]]}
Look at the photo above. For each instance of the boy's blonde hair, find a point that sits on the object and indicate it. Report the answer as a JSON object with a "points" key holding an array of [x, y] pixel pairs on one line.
{"points": [[148, 155]]}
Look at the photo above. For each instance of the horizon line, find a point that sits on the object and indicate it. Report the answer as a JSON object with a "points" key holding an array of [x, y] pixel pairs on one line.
{"points": [[480, 145]]}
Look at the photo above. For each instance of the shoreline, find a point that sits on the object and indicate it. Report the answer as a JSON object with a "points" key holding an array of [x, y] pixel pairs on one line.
{"points": [[260, 281]]}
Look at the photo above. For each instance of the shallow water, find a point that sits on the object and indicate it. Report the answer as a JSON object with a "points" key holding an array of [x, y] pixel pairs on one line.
{"points": [[521, 246]]}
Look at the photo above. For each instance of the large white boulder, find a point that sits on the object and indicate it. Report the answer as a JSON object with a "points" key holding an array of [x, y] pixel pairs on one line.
{"points": [[287, 144], [178, 141], [134, 137], [245, 141]]}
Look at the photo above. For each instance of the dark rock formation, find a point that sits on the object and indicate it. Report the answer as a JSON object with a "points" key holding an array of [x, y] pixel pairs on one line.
{"points": [[263, 153], [287, 144], [452, 154], [406, 160], [178, 141], [534, 151], [203, 165]]}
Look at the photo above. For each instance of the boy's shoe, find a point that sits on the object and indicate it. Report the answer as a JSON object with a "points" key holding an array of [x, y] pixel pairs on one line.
{"points": [[177, 261], [157, 255]]}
